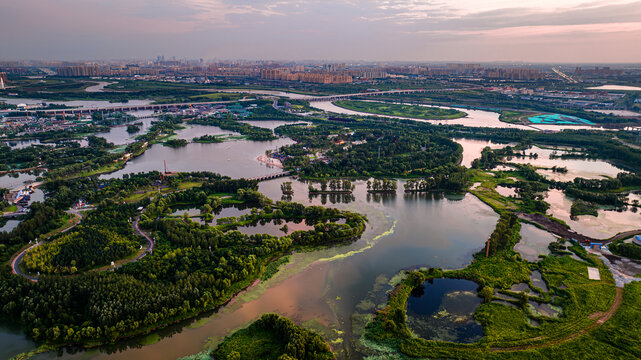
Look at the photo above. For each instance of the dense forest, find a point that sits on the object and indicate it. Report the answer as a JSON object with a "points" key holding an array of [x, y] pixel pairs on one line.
{"points": [[193, 267], [273, 337], [367, 148]]}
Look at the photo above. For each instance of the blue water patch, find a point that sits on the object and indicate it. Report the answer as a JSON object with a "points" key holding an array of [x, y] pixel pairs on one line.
{"points": [[558, 119]]}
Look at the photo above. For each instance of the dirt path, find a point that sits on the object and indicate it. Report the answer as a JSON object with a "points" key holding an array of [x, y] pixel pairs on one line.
{"points": [[601, 318], [557, 228], [565, 232]]}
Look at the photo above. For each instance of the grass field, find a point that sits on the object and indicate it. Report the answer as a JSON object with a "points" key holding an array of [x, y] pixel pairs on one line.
{"points": [[411, 111]]}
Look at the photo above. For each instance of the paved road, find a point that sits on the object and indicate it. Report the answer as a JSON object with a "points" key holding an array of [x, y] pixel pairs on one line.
{"points": [[150, 243], [15, 268], [15, 264]]}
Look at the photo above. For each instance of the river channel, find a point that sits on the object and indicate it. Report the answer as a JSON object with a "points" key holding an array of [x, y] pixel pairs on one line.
{"points": [[333, 291]]}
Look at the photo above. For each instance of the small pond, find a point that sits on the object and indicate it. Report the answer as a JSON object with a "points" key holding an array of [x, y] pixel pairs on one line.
{"points": [[223, 212], [443, 309], [534, 242], [544, 309], [506, 191], [537, 280]]}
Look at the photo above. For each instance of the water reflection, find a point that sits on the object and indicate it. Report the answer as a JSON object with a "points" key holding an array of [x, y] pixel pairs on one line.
{"points": [[9, 225], [534, 242], [15, 181], [328, 289], [472, 149], [442, 309], [276, 227], [606, 224], [585, 168], [333, 198], [232, 158], [118, 135]]}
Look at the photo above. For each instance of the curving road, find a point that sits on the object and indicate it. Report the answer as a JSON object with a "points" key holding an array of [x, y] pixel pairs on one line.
{"points": [[150, 243], [15, 263], [15, 268]]}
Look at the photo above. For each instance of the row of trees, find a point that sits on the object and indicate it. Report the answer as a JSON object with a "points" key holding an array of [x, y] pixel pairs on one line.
{"points": [[384, 185], [505, 235], [333, 185]]}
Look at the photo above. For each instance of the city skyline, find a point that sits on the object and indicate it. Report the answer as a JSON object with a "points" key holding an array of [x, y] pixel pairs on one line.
{"points": [[572, 31]]}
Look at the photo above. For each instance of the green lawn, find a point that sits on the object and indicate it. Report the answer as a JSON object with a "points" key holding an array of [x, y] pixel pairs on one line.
{"points": [[411, 111]]}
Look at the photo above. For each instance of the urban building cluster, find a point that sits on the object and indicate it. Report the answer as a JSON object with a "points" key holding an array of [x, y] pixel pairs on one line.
{"points": [[596, 71], [3, 80], [31, 124], [574, 99], [310, 77]]}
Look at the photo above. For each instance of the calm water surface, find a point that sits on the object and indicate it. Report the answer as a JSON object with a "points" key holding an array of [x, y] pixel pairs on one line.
{"points": [[472, 149], [335, 290], [231, 158], [474, 118], [608, 223], [443, 309], [585, 168]]}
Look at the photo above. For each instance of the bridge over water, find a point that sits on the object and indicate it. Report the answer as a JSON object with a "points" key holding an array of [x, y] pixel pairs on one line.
{"points": [[123, 108], [176, 106], [371, 93], [271, 176]]}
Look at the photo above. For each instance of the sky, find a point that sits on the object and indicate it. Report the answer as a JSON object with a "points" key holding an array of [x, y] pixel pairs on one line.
{"points": [[372, 30]]}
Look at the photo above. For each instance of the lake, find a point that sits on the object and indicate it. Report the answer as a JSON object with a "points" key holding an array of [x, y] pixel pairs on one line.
{"points": [[335, 290], [472, 149], [585, 168], [235, 158]]}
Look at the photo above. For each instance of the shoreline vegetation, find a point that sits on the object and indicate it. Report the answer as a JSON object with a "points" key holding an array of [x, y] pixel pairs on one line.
{"points": [[200, 263], [507, 329], [175, 238]]}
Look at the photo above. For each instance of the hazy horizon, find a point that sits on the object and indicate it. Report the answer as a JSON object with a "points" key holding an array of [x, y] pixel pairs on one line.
{"points": [[567, 31]]}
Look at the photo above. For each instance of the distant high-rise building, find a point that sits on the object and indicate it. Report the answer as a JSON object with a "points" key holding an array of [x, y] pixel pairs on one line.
{"points": [[79, 71], [3, 80]]}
